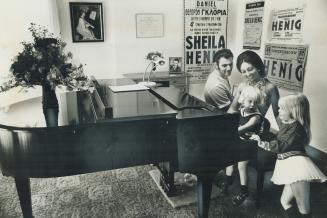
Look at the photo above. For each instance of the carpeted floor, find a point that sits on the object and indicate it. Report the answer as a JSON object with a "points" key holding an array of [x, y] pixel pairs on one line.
{"points": [[131, 193]]}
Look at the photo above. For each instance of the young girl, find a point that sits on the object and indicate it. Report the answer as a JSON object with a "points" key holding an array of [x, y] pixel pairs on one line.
{"points": [[250, 123], [293, 168]]}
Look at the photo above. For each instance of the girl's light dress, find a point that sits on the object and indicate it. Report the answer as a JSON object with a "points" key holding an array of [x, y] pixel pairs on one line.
{"points": [[292, 165], [295, 169]]}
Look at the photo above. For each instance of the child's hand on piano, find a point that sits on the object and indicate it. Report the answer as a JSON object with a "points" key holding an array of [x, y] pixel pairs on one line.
{"points": [[255, 138], [261, 144]]}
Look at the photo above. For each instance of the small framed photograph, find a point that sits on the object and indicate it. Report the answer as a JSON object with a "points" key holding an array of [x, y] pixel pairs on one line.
{"points": [[175, 65], [86, 21], [149, 25]]}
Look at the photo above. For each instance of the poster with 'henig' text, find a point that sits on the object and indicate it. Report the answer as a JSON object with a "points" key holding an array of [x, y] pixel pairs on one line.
{"points": [[285, 65]]}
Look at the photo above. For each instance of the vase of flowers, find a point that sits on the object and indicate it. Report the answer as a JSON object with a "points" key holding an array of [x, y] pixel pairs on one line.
{"points": [[50, 105], [44, 62]]}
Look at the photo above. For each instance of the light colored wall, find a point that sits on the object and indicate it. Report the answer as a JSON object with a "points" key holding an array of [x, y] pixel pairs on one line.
{"points": [[315, 35], [16, 16], [122, 52], [99, 57]]}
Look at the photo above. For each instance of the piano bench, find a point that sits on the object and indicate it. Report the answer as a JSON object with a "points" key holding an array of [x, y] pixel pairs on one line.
{"points": [[319, 157]]}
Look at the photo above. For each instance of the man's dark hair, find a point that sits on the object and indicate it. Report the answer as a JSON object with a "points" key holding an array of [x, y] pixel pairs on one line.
{"points": [[176, 59], [223, 53], [252, 58]]}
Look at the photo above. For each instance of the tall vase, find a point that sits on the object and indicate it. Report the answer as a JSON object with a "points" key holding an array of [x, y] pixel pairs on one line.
{"points": [[50, 105]]}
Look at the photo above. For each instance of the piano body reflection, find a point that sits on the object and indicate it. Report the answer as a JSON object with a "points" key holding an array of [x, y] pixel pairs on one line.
{"points": [[102, 130]]}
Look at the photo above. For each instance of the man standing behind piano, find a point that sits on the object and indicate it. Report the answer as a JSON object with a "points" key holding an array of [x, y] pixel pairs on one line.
{"points": [[217, 90]]}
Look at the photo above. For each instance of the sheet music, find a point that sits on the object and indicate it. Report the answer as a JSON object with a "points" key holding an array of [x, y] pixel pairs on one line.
{"points": [[128, 88]]}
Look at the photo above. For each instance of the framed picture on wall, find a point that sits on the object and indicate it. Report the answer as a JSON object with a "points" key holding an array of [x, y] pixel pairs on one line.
{"points": [[175, 65], [86, 21], [149, 25]]}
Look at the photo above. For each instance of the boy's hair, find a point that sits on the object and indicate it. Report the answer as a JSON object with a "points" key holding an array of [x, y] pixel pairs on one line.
{"points": [[299, 108], [252, 92], [223, 53]]}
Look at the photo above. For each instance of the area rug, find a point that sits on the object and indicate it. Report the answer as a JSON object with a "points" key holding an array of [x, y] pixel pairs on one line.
{"points": [[186, 192], [132, 193]]}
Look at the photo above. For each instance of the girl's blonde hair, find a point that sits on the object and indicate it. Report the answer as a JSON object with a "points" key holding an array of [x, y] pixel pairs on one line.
{"points": [[252, 92], [299, 108]]}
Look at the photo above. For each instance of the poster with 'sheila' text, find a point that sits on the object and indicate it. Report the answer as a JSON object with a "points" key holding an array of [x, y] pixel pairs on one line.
{"points": [[253, 25], [285, 65], [205, 32]]}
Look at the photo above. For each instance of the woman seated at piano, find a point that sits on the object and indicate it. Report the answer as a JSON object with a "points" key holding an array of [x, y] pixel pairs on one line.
{"points": [[251, 67]]}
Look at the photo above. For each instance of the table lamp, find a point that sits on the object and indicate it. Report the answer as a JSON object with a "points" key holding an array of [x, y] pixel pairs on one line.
{"points": [[156, 59]]}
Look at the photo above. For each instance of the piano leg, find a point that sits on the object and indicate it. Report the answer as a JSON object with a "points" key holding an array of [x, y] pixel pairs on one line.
{"points": [[167, 178], [24, 194], [260, 181], [204, 186]]}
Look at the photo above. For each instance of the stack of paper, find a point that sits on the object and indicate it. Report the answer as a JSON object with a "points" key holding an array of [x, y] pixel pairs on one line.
{"points": [[128, 88]]}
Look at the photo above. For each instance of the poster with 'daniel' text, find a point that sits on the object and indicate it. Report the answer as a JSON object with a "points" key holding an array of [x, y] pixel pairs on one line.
{"points": [[205, 32]]}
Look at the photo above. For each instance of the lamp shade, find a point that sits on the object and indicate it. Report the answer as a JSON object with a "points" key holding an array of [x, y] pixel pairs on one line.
{"points": [[158, 60]]}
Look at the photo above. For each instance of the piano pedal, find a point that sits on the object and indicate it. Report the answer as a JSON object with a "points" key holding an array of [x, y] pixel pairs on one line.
{"points": [[169, 189], [190, 179]]}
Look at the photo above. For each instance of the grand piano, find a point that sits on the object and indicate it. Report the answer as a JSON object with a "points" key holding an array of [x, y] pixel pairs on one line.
{"points": [[102, 130]]}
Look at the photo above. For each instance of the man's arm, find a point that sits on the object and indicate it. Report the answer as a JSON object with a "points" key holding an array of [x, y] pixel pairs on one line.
{"points": [[220, 96]]}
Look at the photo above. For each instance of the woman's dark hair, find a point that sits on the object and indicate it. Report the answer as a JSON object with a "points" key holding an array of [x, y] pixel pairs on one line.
{"points": [[223, 53], [252, 58]]}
